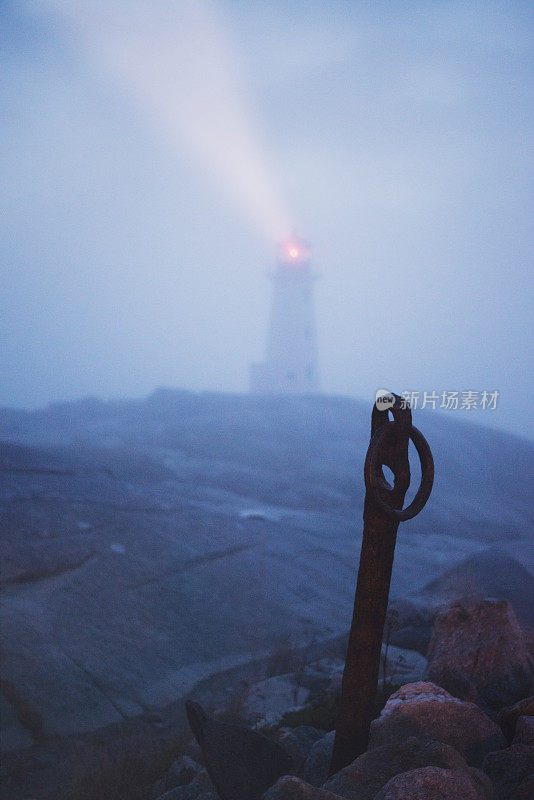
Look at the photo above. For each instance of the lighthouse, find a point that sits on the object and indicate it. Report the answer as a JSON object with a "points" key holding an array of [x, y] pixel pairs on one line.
{"points": [[290, 366]]}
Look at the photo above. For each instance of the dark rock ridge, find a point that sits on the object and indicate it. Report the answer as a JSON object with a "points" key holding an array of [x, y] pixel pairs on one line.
{"points": [[425, 741]]}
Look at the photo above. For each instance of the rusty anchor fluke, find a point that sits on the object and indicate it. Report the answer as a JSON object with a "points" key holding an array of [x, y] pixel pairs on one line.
{"points": [[241, 763], [381, 514]]}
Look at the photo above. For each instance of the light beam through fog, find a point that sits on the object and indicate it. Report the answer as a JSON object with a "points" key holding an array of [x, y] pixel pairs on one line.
{"points": [[177, 63]]}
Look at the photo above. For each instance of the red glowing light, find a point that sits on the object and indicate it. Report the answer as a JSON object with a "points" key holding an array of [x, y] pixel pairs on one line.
{"points": [[293, 254]]}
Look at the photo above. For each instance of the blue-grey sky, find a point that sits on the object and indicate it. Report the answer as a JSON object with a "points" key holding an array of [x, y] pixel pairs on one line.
{"points": [[151, 152]]}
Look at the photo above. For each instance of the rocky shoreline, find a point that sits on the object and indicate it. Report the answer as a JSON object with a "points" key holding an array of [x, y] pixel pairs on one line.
{"points": [[461, 719], [474, 742]]}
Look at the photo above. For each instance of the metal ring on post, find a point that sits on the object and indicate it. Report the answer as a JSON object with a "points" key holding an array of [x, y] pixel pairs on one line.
{"points": [[372, 477]]}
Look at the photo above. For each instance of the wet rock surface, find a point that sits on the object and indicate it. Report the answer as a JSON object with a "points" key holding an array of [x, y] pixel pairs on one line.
{"points": [[116, 517], [174, 547]]}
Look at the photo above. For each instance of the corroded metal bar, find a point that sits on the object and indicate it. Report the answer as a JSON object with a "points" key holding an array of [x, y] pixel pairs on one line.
{"points": [[382, 514]]}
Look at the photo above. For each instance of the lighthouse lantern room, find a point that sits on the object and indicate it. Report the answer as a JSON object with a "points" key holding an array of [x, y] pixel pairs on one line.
{"points": [[290, 366]]}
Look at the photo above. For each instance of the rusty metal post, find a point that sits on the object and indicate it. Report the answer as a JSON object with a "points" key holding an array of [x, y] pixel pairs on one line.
{"points": [[382, 514]]}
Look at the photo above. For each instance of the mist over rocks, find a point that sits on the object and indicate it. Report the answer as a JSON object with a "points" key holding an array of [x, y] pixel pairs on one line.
{"points": [[152, 545], [491, 573]]}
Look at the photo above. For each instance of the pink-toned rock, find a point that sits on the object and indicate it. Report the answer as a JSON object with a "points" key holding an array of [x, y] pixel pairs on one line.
{"points": [[431, 783], [481, 647], [362, 779], [424, 709]]}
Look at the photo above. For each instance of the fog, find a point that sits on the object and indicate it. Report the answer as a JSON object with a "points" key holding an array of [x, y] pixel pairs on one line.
{"points": [[153, 153]]}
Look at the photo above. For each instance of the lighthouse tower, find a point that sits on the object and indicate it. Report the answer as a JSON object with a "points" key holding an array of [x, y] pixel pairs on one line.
{"points": [[291, 363]]}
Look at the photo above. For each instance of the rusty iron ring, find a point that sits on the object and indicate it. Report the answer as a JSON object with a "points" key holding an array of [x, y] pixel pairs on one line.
{"points": [[374, 480]]}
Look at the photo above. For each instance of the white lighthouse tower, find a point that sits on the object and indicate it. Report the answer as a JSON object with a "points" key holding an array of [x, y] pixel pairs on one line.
{"points": [[290, 366]]}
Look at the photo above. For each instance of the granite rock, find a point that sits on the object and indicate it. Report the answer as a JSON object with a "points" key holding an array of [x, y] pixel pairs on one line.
{"points": [[432, 783], [365, 776], [424, 709], [481, 646]]}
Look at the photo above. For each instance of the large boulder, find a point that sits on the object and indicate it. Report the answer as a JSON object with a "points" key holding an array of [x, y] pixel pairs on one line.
{"points": [[365, 776], [433, 783], [424, 709], [481, 646], [509, 769]]}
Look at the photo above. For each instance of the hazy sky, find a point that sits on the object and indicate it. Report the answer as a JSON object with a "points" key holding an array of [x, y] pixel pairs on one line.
{"points": [[153, 151]]}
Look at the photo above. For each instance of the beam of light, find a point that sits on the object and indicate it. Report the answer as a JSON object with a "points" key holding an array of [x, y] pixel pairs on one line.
{"points": [[176, 61]]}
